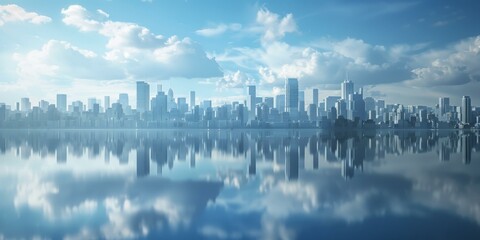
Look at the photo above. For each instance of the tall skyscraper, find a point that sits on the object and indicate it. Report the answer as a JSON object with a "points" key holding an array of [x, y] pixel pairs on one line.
{"points": [[466, 116], [192, 100], [252, 101], [443, 105], [315, 96], [107, 102], [62, 102], [280, 103], [143, 97], [347, 89], [291, 96]]}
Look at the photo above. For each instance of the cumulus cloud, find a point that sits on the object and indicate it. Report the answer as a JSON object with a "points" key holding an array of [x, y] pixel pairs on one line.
{"points": [[60, 60], [236, 79], [142, 53], [15, 13], [455, 65], [274, 27], [218, 30]]}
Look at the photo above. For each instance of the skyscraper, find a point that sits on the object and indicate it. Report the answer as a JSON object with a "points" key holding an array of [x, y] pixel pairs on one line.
{"points": [[251, 101], [107, 102], [192, 100], [443, 105], [62, 102], [347, 89], [291, 96], [315, 96], [280, 103], [466, 116], [143, 97], [123, 100]]}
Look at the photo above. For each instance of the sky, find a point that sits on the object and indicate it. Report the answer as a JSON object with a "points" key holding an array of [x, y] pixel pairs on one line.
{"points": [[408, 52]]}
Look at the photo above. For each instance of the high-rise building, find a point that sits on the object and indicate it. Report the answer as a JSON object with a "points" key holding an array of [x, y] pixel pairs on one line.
{"points": [[62, 102], [252, 101], [107, 102], [291, 96], [315, 96], [143, 97], [25, 105], [91, 102], [301, 101], [280, 103], [268, 101], [347, 89], [192, 100], [466, 116], [123, 100], [443, 105]]}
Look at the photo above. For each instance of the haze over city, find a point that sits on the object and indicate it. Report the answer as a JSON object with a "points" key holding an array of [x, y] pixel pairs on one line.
{"points": [[408, 52]]}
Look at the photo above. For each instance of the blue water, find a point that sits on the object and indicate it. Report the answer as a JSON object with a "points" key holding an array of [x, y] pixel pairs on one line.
{"points": [[211, 184]]}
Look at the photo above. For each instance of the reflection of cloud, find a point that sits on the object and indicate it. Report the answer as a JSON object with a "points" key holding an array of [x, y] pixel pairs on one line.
{"points": [[133, 209]]}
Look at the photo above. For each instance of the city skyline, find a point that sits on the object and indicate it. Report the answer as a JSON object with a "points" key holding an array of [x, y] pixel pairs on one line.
{"points": [[409, 52]]}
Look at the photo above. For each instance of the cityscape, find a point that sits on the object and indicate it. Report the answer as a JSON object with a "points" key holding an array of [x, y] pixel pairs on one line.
{"points": [[351, 110], [229, 120]]}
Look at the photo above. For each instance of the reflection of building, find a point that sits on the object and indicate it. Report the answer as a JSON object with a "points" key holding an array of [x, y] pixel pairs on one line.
{"points": [[62, 153], [291, 163], [143, 161], [466, 144], [347, 169]]}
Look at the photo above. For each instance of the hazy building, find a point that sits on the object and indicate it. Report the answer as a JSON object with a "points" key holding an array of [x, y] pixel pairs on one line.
{"points": [[25, 105], [269, 101], [291, 97], [251, 101], [107, 102], [280, 103], [143, 97], [62, 102], [443, 105], [192, 100], [123, 100], [315, 96]]}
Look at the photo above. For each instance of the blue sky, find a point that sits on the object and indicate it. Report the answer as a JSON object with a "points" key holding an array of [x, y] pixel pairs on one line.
{"points": [[410, 52]]}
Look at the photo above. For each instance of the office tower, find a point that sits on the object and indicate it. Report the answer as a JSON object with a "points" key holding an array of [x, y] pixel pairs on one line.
{"points": [[269, 101], [347, 89], [291, 97], [341, 107], [25, 104], [330, 102], [62, 102], [91, 102], [251, 101], [107, 102], [443, 105], [123, 100], [159, 106], [370, 104], [312, 112], [356, 106], [280, 103], [466, 116], [315, 96], [3, 112], [159, 88], [143, 97], [192, 100], [43, 105], [182, 104], [301, 101], [170, 100]]}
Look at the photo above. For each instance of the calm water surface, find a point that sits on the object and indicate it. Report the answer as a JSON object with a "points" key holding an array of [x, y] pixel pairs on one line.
{"points": [[272, 184]]}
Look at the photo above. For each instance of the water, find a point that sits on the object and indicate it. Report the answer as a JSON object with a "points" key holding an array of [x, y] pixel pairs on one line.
{"points": [[273, 184]]}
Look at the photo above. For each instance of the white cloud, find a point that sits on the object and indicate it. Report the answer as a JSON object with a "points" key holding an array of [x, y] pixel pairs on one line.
{"points": [[15, 13], [273, 27], [142, 53], [455, 65], [218, 30], [236, 79]]}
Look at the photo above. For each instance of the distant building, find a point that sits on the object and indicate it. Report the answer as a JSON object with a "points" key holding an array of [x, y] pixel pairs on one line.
{"points": [[192, 100], [143, 97], [291, 97], [280, 103], [466, 116], [62, 102]]}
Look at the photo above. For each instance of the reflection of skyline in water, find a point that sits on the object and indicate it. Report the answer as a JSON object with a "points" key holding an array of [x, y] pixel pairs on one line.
{"points": [[288, 148], [239, 184]]}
